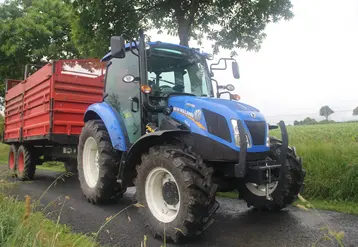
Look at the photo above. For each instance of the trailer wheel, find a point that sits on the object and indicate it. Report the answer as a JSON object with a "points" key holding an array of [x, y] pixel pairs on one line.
{"points": [[98, 164], [176, 191], [71, 166], [25, 168], [12, 159], [284, 192]]}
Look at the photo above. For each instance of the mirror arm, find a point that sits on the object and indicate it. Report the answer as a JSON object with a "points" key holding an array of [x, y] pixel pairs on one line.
{"points": [[224, 93], [211, 65], [217, 87]]}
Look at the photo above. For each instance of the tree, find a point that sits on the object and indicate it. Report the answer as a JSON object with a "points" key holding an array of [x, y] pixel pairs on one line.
{"points": [[296, 122], [33, 32], [325, 111], [95, 21], [355, 111], [228, 23]]}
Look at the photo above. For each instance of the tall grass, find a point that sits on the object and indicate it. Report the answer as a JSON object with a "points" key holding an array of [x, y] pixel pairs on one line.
{"points": [[20, 226], [330, 156]]}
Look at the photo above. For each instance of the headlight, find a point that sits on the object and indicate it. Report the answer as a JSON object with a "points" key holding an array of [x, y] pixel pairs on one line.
{"points": [[237, 134]]}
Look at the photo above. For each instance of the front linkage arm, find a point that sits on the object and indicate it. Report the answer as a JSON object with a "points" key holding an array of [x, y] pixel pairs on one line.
{"points": [[261, 173]]}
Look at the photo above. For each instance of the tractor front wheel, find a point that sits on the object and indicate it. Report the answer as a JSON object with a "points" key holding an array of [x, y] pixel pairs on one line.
{"points": [[283, 192], [97, 164], [176, 193]]}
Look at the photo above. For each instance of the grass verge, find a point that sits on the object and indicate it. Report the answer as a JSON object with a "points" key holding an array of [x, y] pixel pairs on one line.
{"points": [[21, 226]]}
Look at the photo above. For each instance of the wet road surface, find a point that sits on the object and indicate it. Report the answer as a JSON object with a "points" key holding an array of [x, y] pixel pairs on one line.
{"points": [[235, 224]]}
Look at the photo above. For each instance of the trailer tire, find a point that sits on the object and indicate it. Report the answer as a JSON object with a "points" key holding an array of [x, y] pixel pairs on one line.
{"points": [[194, 201], [25, 167], [105, 188], [287, 188], [12, 159], [71, 166]]}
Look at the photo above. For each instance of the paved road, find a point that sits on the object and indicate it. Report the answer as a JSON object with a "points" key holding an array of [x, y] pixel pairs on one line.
{"points": [[235, 225]]}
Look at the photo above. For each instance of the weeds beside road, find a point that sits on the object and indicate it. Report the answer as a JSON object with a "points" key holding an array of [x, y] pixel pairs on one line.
{"points": [[22, 225]]}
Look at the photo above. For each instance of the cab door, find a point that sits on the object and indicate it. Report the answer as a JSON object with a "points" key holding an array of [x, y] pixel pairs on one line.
{"points": [[124, 97]]}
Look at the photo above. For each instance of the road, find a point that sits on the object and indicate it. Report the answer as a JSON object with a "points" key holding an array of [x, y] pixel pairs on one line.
{"points": [[235, 225]]}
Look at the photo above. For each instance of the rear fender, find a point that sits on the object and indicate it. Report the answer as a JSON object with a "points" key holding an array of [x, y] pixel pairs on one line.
{"points": [[127, 170], [113, 122]]}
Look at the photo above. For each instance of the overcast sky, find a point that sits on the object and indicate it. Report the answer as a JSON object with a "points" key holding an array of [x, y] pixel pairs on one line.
{"points": [[304, 63]]}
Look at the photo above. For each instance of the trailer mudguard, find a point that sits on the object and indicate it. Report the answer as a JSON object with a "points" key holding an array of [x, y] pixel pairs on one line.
{"points": [[113, 122]]}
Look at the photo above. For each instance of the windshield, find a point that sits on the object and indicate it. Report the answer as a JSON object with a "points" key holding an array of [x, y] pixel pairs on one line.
{"points": [[178, 70]]}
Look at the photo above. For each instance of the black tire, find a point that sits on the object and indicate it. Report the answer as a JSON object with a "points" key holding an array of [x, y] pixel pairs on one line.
{"points": [[288, 188], [196, 189], [12, 159], [25, 167], [107, 189], [71, 166]]}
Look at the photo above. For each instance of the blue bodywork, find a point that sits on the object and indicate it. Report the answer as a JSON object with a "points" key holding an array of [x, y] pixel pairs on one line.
{"points": [[228, 108], [113, 122], [184, 110]]}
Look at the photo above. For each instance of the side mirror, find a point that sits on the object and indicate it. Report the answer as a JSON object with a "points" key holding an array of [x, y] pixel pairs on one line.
{"points": [[235, 70], [118, 47], [230, 87]]}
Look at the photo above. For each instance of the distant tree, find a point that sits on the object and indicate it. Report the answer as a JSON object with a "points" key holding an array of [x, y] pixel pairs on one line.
{"points": [[296, 122], [309, 121], [355, 111], [325, 111]]}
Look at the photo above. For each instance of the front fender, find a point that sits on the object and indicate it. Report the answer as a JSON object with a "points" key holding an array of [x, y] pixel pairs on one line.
{"points": [[113, 122], [127, 170]]}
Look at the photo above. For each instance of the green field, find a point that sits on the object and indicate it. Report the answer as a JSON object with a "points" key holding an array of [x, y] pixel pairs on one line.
{"points": [[330, 156]]}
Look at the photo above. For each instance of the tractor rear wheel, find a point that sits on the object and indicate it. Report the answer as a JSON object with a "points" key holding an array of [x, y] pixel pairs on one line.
{"points": [[176, 191], [283, 192], [12, 159], [25, 167], [97, 164]]}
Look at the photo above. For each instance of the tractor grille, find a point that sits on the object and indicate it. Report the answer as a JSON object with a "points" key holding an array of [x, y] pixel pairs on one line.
{"points": [[217, 125], [258, 131]]}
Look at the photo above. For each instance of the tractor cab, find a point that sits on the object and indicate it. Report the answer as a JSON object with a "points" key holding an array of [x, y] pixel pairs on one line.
{"points": [[171, 70]]}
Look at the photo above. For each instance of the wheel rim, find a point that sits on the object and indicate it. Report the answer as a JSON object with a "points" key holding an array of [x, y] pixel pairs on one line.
{"points": [[260, 190], [12, 161], [20, 162], [162, 195], [90, 162]]}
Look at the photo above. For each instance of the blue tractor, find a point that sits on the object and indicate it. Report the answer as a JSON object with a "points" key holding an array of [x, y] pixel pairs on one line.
{"points": [[164, 129]]}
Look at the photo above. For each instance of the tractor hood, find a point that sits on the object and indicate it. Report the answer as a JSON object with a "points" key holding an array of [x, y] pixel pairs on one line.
{"points": [[228, 108], [212, 117]]}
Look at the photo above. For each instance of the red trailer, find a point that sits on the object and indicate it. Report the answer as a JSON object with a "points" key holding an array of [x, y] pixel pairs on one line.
{"points": [[44, 112]]}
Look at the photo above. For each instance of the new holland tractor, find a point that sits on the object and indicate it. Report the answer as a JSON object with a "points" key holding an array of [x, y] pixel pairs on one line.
{"points": [[163, 128]]}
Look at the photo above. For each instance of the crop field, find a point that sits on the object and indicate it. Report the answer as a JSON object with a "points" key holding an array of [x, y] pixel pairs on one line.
{"points": [[330, 157]]}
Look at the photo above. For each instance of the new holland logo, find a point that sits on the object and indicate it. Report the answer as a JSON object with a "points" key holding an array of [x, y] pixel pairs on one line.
{"points": [[253, 115]]}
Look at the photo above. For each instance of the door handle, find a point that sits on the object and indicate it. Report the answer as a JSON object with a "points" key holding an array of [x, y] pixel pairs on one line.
{"points": [[135, 101]]}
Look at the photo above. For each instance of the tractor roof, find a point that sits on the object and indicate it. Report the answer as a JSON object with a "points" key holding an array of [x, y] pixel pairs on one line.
{"points": [[108, 55]]}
